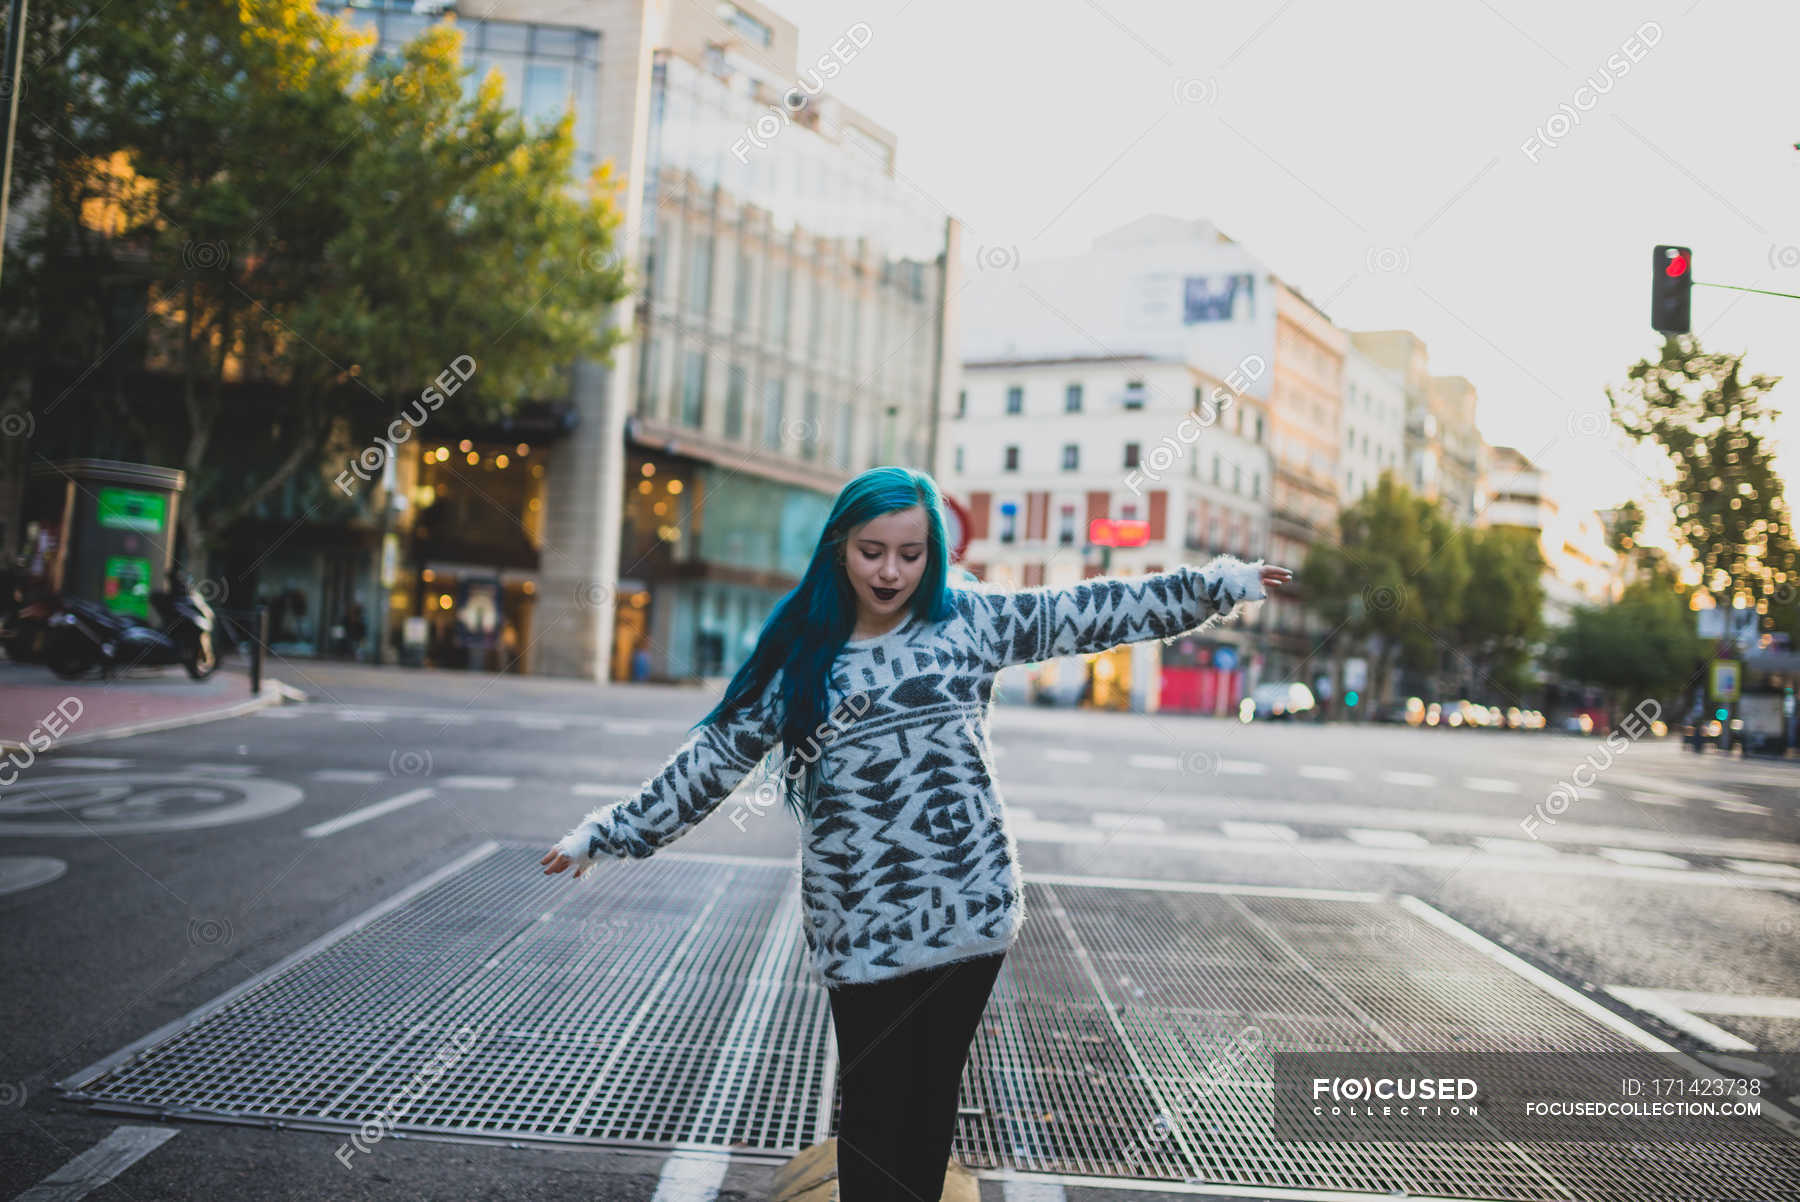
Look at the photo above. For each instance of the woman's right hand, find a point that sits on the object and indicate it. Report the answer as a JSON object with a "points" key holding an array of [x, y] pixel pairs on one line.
{"points": [[558, 862]]}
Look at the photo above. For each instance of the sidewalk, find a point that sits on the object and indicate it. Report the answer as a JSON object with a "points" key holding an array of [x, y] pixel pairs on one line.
{"points": [[67, 712]]}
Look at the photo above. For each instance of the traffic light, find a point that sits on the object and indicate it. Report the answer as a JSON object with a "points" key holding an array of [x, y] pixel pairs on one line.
{"points": [[1671, 284]]}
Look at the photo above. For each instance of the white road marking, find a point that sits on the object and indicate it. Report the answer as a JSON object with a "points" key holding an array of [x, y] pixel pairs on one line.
{"points": [[1491, 784], [285, 711], [1641, 858], [615, 726], [1514, 847], [362, 715], [1421, 779], [1645, 797], [1260, 830], [491, 784], [1242, 768], [1153, 761], [1372, 837], [1325, 772], [1068, 755], [692, 1173], [1764, 868], [529, 722], [97, 1166], [220, 769], [91, 761], [1660, 1003], [1741, 807], [455, 719], [351, 776], [1021, 814], [605, 789], [1131, 822], [354, 817]]}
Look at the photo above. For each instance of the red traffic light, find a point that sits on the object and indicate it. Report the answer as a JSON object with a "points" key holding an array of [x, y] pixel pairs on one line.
{"points": [[1677, 265]]}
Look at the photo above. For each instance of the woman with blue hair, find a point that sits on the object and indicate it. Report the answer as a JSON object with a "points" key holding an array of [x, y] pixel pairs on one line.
{"points": [[874, 676]]}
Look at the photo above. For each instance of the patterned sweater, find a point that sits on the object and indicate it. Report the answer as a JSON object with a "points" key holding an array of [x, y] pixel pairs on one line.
{"points": [[908, 863]]}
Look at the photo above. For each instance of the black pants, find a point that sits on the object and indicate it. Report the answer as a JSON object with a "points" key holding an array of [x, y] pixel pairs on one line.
{"points": [[902, 1047]]}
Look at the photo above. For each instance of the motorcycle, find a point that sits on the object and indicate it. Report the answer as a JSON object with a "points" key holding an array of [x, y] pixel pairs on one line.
{"points": [[87, 633]]}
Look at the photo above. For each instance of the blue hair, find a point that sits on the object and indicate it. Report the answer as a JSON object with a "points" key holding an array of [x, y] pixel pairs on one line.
{"points": [[812, 622]]}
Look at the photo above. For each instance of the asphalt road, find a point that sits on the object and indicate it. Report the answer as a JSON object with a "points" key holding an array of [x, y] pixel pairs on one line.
{"points": [[1673, 878]]}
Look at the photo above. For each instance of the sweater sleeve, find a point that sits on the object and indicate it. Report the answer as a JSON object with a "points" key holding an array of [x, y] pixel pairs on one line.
{"points": [[1028, 625], [701, 774]]}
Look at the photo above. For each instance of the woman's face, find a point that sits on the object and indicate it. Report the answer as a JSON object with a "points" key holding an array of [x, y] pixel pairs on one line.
{"points": [[886, 553]]}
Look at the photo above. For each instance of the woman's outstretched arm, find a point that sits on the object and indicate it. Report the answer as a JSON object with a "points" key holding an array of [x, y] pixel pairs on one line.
{"points": [[1028, 625], [701, 774]]}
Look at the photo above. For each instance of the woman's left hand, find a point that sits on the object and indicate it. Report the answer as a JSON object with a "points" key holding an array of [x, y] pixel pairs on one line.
{"points": [[1273, 576]]}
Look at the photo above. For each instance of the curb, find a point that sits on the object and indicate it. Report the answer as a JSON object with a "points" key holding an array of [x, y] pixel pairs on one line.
{"points": [[275, 692]]}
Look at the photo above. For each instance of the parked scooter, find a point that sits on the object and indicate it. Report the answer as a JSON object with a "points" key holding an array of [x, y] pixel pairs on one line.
{"points": [[87, 633]]}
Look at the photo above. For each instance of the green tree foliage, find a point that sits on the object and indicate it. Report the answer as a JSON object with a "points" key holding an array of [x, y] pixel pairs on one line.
{"points": [[1642, 646], [233, 193], [1709, 417], [1397, 574]]}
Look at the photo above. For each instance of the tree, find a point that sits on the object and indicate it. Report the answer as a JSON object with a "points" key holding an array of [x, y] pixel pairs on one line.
{"points": [[1502, 614], [1641, 646], [315, 237], [1396, 575], [1709, 417]]}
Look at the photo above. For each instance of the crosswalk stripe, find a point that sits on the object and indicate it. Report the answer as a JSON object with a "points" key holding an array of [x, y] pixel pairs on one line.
{"points": [[1133, 822], [1490, 784], [1422, 779], [1640, 858], [1154, 761], [1375, 837], [1325, 772], [1513, 847], [87, 761], [351, 776], [1741, 807], [492, 784], [1260, 830]]}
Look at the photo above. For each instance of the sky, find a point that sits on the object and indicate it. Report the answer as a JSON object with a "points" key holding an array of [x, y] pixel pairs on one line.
{"points": [[1491, 174]]}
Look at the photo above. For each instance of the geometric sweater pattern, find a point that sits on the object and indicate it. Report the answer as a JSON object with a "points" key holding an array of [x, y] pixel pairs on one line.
{"points": [[909, 862]]}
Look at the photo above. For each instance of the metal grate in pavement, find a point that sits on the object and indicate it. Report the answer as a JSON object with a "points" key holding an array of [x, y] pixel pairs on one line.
{"points": [[671, 1002]]}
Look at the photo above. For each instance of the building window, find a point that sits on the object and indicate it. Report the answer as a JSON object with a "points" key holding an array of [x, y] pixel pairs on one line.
{"points": [[1072, 399], [1256, 486], [700, 275], [1015, 399], [1215, 469], [1129, 512], [1134, 395], [1071, 456], [1011, 462], [693, 389], [962, 403], [1131, 454], [1009, 522], [809, 429], [650, 379], [735, 383], [1065, 530], [776, 319], [1259, 428], [740, 292], [959, 460], [1237, 477], [774, 400]]}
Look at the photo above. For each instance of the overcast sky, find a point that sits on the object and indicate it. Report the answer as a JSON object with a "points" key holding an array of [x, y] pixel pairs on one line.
{"points": [[1374, 154]]}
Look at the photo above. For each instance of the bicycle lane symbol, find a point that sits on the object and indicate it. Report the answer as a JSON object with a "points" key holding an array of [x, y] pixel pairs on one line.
{"points": [[138, 803]]}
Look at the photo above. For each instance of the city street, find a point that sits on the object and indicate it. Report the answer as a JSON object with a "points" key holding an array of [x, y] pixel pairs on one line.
{"points": [[1667, 895]]}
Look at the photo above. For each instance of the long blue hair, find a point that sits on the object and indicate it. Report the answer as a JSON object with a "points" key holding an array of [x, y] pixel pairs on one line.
{"points": [[813, 621]]}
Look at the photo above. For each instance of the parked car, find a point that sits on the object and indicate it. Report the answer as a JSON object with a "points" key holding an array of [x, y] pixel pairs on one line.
{"points": [[1276, 699]]}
